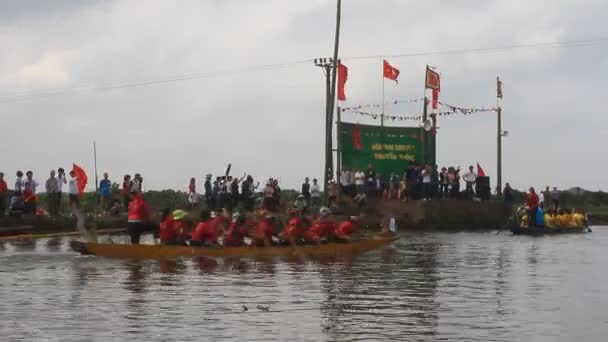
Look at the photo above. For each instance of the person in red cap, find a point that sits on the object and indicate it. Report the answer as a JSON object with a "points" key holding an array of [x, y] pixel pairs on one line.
{"points": [[322, 229], [347, 229], [237, 231], [296, 228]]}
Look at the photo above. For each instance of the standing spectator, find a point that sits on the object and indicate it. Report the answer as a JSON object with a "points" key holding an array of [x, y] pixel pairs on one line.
{"points": [[403, 188], [269, 195], [19, 184], [393, 188], [413, 183], [105, 192], [248, 194], [370, 179], [435, 182], [547, 198], [315, 194], [61, 180], [443, 182], [3, 195], [532, 203], [127, 184], [29, 192], [73, 192], [555, 198], [345, 179], [360, 182], [332, 193], [138, 183], [379, 186], [193, 198], [234, 191], [470, 178], [426, 174], [277, 193], [209, 193], [508, 193], [456, 183], [306, 191], [51, 194]]}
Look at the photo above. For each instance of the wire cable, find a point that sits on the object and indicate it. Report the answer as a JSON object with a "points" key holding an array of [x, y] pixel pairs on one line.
{"points": [[264, 67]]}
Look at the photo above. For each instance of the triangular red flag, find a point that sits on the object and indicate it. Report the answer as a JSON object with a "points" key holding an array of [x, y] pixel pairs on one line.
{"points": [[390, 71], [81, 178], [480, 172], [342, 77]]}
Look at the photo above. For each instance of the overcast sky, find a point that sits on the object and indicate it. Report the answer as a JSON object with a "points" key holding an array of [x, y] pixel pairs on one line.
{"points": [[59, 57]]}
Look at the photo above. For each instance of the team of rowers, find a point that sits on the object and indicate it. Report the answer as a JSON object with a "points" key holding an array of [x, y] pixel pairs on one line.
{"points": [[233, 230], [561, 218], [299, 229]]}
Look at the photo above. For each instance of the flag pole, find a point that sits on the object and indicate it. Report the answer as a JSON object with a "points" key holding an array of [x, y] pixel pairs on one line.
{"points": [[382, 114], [498, 137], [95, 164]]}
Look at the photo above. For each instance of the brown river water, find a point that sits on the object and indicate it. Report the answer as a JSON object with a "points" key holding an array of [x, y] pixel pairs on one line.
{"points": [[430, 286]]}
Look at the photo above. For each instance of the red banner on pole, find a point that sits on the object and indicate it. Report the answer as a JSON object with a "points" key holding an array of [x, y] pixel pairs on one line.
{"points": [[342, 77], [435, 99], [433, 81]]}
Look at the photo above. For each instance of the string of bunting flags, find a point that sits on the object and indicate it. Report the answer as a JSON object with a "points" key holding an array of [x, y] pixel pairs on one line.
{"points": [[453, 110], [394, 102]]}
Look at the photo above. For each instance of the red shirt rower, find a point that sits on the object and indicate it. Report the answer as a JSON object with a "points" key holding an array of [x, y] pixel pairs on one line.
{"points": [[295, 228], [173, 227], [236, 233], [264, 232], [347, 228], [205, 233]]}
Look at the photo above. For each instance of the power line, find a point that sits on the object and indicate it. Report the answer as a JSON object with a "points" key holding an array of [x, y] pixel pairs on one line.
{"points": [[572, 43], [211, 74]]}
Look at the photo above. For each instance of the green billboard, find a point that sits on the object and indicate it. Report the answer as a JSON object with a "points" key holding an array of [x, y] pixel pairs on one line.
{"points": [[387, 149]]}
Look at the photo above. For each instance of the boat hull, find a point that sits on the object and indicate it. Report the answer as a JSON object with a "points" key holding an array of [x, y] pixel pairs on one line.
{"points": [[168, 252], [536, 231]]}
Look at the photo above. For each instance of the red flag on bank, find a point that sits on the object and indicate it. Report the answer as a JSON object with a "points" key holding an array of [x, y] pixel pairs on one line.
{"points": [[480, 172], [390, 71], [342, 77], [81, 178]]}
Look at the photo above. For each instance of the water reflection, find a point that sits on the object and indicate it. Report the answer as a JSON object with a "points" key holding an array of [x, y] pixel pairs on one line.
{"points": [[430, 286]]}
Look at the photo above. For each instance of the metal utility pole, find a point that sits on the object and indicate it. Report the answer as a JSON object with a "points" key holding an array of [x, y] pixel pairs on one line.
{"points": [[499, 134], [423, 135], [330, 66], [326, 64]]}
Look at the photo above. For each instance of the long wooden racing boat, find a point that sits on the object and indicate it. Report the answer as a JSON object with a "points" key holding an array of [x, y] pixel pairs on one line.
{"points": [[536, 231], [168, 252]]}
